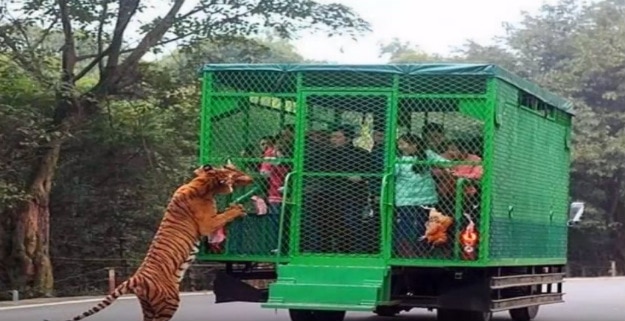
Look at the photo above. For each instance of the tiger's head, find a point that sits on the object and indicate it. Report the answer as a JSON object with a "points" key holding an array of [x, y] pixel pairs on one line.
{"points": [[219, 180]]}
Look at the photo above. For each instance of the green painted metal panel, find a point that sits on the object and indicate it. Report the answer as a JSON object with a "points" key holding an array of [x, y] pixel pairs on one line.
{"points": [[278, 73], [345, 287], [531, 181]]}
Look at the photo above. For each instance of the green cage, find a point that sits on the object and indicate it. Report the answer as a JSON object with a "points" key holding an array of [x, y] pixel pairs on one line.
{"points": [[439, 112]]}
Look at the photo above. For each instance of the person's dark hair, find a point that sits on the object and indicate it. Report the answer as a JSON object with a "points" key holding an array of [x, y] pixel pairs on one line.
{"points": [[270, 139], [419, 142]]}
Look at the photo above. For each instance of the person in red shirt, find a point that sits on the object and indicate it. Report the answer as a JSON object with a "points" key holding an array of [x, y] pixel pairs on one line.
{"points": [[459, 151]]}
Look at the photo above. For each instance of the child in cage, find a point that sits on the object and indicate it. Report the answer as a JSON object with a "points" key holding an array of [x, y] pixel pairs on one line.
{"points": [[415, 190]]}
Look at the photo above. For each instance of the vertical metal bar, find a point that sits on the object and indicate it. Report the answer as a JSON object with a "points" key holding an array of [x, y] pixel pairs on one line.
{"points": [[388, 197], [285, 194], [205, 117], [246, 124], [458, 211], [487, 163], [298, 165]]}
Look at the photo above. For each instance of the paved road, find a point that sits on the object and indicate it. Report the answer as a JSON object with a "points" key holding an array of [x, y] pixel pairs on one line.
{"points": [[587, 299]]}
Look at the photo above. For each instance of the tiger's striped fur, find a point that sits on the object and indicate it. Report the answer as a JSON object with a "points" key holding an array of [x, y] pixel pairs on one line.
{"points": [[190, 214]]}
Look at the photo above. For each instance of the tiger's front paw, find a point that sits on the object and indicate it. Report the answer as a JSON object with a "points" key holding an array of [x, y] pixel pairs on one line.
{"points": [[237, 210]]}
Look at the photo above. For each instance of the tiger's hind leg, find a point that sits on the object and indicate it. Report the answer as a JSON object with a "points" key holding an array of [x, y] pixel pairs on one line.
{"points": [[146, 309], [167, 307]]}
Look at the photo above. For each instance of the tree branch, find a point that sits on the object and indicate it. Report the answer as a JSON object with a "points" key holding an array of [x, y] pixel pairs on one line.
{"points": [[20, 59], [125, 51], [99, 37], [127, 9], [46, 32], [149, 40], [69, 46], [153, 36], [93, 63]]}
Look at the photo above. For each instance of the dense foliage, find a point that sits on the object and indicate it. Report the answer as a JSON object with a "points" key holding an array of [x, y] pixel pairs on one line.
{"points": [[111, 135]]}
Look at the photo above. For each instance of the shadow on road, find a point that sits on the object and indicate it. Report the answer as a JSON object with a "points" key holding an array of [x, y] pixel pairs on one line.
{"points": [[415, 315]]}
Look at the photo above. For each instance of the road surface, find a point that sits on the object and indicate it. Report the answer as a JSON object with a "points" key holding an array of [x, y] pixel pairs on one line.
{"points": [[586, 299]]}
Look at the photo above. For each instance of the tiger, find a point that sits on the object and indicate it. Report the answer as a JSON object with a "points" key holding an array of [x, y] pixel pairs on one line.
{"points": [[190, 215]]}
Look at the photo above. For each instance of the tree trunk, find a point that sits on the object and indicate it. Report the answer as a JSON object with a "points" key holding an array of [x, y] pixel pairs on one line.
{"points": [[25, 250]]}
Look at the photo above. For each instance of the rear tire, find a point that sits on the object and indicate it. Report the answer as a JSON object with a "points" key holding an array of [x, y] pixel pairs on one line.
{"points": [[524, 314], [387, 311], [447, 315], [316, 315]]}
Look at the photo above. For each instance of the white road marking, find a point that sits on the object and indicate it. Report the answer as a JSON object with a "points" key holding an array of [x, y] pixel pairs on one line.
{"points": [[124, 297]]}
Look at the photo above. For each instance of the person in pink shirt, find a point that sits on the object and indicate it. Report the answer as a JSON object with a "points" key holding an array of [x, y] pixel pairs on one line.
{"points": [[275, 170]]}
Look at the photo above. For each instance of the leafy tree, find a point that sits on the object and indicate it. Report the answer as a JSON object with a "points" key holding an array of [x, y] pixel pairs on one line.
{"points": [[117, 177], [26, 263], [404, 52], [185, 63], [577, 51]]}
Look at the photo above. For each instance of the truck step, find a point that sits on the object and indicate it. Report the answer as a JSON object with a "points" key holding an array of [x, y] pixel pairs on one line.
{"points": [[330, 287]]}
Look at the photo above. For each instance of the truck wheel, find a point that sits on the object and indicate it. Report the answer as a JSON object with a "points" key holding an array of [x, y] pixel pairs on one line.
{"points": [[447, 315], [524, 314], [387, 311], [316, 315]]}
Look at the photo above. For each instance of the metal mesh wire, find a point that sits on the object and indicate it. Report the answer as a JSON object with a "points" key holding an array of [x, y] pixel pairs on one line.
{"points": [[438, 165], [251, 131], [339, 215], [368, 155]]}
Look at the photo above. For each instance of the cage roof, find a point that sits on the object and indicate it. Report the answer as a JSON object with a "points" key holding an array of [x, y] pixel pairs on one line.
{"points": [[466, 69]]}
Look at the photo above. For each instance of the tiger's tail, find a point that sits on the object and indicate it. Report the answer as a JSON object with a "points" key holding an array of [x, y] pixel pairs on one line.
{"points": [[121, 289]]}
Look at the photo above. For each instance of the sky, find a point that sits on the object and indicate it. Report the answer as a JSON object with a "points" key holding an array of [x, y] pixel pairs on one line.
{"points": [[435, 26]]}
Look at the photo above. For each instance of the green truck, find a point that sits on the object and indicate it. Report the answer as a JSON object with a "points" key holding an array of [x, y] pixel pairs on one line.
{"points": [[385, 188]]}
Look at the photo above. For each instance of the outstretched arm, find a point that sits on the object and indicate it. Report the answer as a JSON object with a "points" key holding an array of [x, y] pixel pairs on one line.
{"points": [[209, 224]]}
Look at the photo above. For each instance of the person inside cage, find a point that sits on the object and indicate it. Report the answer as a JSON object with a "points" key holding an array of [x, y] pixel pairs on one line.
{"points": [[377, 155], [415, 191], [436, 141], [346, 193], [276, 170], [458, 150], [314, 202], [269, 153], [435, 138]]}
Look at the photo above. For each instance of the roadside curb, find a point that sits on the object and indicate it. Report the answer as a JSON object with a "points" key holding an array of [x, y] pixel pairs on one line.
{"points": [[31, 303]]}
